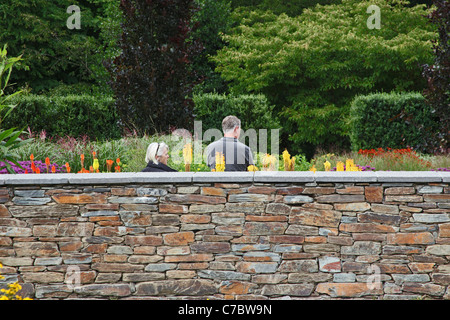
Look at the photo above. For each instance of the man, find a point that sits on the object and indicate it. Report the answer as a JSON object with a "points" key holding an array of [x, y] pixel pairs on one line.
{"points": [[237, 155]]}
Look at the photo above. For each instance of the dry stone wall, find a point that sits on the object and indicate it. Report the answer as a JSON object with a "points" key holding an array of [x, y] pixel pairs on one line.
{"points": [[263, 235]]}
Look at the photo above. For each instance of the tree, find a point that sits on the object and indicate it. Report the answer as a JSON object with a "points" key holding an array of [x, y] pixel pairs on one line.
{"points": [[57, 57], [289, 7], [213, 18], [438, 78], [312, 66], [151, 80]]}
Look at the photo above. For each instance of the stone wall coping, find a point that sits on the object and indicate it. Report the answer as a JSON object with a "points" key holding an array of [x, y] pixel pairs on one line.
{"points": [[225, 177]]}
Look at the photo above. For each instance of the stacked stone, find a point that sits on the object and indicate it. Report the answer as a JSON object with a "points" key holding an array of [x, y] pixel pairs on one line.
{"points": [[228, 240]]}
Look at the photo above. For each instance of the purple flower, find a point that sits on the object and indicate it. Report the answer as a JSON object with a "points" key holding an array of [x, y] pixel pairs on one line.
{"points": [[26, 165]]}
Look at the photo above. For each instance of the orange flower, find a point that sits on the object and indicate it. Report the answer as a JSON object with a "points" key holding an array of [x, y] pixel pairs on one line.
{"points": [[82, 161], [117, 168], [32, 157], [53, 169], [26, 171], [117, 161], [38, 170], [33, 167], [91, 169], [67, 167], [94, 154], [47, 162], [109, 164]]}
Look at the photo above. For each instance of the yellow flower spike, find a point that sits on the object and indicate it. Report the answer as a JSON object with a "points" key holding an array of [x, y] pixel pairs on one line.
{"points": [[187, 155], [313, 169], [268, 162], [327, 165], [349, 165], [220, 162], [292, 164], [286, 160], [252, 168], [339, 166], [95, 165]]}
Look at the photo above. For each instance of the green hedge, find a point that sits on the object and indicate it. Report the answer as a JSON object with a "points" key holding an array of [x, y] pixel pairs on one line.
{"points": [[395, 120], [254, 111], [72, 115]]}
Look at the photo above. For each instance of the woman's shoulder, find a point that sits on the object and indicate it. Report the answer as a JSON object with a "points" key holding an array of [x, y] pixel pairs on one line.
{"points": [[167, 168], [153, 167]]}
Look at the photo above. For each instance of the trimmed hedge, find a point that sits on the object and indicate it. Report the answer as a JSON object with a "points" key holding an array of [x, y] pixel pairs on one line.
{"points": [[395, 120], [72, 115], [253, 110]]}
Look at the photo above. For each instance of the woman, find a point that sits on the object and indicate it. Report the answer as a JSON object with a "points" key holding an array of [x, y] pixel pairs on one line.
{"points": [[156, 158]]}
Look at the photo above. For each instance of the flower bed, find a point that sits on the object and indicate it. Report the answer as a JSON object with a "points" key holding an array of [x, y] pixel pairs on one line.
{"points": [[62, 155]]}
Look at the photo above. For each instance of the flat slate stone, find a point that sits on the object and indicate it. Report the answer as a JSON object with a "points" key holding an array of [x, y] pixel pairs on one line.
{"points": [[223, 177], [28, 201], [30, 193], [162, 177], [101, 178], [284, 176], [345, 176], [445, 176], [408, 176], [35, 179]]}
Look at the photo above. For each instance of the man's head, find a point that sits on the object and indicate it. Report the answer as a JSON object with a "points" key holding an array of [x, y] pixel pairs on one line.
{"points": [[231, 126]]}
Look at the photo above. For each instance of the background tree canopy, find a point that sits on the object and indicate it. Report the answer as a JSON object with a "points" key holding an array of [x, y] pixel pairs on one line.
{"points": [[311, 66], [309, 58], [54, 54]]}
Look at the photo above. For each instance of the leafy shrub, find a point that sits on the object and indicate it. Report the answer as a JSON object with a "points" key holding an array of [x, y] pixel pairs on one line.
{"points": [[438, 78], [390, 120], [254, 111], [72, 115], [312, 66], [9, 138]]}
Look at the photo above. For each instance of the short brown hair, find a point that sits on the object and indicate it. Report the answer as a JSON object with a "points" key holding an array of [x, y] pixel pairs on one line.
{"points": [[229, 123]]}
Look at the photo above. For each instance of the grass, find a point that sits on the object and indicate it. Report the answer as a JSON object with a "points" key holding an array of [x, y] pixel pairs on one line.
{"points": [[131, 151]]}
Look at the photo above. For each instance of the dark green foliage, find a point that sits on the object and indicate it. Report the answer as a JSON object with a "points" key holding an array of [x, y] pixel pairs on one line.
{"points": [[55, 56], [289, 7], [151, 79], [74, 115], [53, 53], [213, 19], [438, 78], [254, 111], [312, 66], [395, 120]]}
